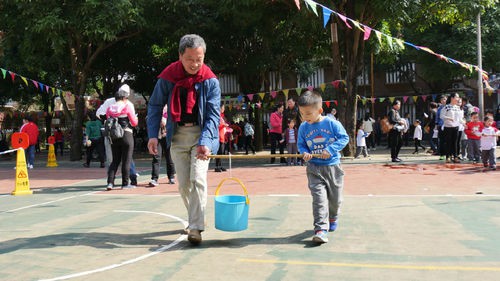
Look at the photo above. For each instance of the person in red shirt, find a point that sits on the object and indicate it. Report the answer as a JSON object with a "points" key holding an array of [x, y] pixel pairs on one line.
{"points": [[473, 130], [275, 132], [59, 138], [30, 128]]}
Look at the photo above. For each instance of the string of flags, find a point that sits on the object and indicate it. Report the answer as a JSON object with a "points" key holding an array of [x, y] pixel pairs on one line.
{"points": [[327, 13], [38, 85]]}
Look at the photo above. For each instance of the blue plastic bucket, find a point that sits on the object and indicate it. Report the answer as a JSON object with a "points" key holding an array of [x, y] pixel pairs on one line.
{"points": [[231, 211]]}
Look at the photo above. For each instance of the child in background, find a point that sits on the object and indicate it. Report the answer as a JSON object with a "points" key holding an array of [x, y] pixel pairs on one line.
{"points": [[325, 136], [489, 143], [291, 141], [435, 140], [361, 140], [473, 131], [417, 136]]}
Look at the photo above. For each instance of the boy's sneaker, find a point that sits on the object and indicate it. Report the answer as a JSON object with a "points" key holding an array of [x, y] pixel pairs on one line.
{"points": [[493, 168], [333, 225], [171, 181], [109, 186], [441, 157], [153, 183], [320, 237], [128, 186]]}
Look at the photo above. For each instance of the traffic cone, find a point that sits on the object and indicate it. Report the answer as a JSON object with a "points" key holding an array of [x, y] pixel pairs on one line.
{"points": [[51, 161], [22, 180]]}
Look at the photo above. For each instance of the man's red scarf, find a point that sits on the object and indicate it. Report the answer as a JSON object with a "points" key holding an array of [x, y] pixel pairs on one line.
{"points": [[175, 73]]}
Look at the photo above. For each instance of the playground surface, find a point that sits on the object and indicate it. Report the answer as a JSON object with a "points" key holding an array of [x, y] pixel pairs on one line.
{"points": [[416, 220]]}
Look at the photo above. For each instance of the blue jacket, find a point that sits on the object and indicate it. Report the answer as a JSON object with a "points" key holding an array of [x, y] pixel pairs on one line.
{"points": [[208, 93]]}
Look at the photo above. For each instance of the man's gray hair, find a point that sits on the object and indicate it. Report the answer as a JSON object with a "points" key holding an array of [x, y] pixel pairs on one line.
{"points": [[309, 98], [191, 41]]}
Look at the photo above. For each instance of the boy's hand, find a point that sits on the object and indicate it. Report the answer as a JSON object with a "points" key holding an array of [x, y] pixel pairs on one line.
{"points": [[325, 154], [307, 156]]}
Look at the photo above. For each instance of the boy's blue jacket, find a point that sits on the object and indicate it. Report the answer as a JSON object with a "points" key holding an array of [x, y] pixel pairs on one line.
{"points": [[327, 134]]}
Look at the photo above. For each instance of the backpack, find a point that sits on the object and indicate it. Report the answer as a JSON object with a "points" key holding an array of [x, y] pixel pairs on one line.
{"points": [[113, 129], [385, 126], [249, 130]]}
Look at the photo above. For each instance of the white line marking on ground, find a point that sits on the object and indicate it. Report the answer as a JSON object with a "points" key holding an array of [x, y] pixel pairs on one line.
{"points": [[283, 195], [134, 260], [45, 203]]}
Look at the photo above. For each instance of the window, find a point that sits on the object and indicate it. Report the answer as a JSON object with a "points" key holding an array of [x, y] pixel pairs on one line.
{"points": [[402, 74]]}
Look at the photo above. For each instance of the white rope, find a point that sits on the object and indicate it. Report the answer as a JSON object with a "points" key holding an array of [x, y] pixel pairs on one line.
{"points": [[9, 151]]}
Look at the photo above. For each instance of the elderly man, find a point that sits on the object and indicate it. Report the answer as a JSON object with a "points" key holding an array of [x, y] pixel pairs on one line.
{"points": [[191, 91]]}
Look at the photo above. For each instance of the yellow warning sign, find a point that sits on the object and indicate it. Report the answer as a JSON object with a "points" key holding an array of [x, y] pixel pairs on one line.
{"points": [[22, 175], [51, 161], [22, 180]]}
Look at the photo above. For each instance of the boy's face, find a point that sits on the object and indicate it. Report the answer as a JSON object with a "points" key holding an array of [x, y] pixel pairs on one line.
{"points": [[488, 122], [311, 113]]}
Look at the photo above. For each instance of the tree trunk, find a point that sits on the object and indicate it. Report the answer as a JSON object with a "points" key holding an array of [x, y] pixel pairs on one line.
{"points": [[76, 130], [258, 137]]}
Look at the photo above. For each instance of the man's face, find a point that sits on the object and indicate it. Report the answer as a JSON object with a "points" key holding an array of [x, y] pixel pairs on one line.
{"points": [[192, 60], [290, 103]]}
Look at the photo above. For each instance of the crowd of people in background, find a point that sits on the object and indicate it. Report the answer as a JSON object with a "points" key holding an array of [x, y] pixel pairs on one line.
{"points": [[451, 120]]}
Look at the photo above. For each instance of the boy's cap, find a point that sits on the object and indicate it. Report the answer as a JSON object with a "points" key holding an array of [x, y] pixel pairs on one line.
{"points": [[418, 121], [124, 91]]}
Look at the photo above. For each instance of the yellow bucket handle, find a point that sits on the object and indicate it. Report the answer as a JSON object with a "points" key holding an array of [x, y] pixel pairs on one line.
{"points": [[236, 180]]}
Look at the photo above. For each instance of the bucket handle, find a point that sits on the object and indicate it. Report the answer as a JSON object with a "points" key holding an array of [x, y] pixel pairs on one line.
{"points": [[236, 180]]}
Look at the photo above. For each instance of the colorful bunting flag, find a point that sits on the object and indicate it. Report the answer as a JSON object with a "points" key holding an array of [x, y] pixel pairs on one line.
{"points": [[12, 75], [312, 6], [327, 103], [286, 93], [326, 15], [4, 72], [368, 31], [261, 95], [322, 86], [415, 98]]}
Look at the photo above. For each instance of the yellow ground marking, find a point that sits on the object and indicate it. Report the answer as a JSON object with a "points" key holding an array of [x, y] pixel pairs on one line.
{"points": [[377, 266]]}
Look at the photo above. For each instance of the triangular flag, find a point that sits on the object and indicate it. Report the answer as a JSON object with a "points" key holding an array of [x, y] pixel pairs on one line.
{"points": [[35, 83], [391, 99], [434, 97], [41, 86], [415, 98], [400, 43], [53, 91], [335, 102], [310, 88], [326, 15], [250, 97], [363, 100], [327, 103], [424, 97], [12, 75], [297, 2], [381, 99], [322, 86], [389, 41], [25, 80], [261, 95], [357, 25], [4, 72], [46, 88], [312, 6], [405, 98], [344, 19], [336, 84], [372, 100], [298, 90], [368, 31], [285, 91], [273, 94], [379, 36]]}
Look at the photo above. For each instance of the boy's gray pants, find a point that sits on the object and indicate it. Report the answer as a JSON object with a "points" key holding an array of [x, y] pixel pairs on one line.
{"points": [[326, 184], [473, 150]]}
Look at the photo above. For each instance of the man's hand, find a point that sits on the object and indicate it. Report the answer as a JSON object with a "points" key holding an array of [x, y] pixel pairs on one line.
{"points": [[202, 152], [153, 146]]}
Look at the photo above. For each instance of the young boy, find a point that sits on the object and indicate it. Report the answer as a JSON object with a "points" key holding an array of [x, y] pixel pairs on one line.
{"points": [[361, 141], [417, 136], [473, 130], [489, 143], [325, 137]]}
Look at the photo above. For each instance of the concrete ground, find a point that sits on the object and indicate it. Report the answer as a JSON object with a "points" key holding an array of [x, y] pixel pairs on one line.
{"points": [[417, 220]]}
